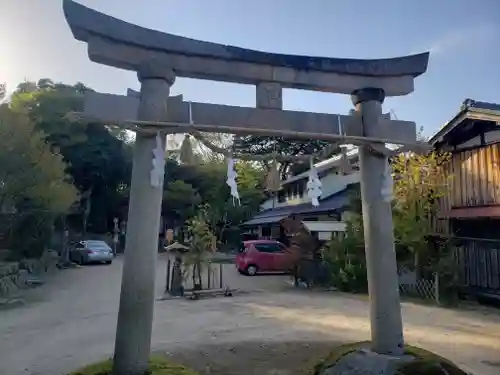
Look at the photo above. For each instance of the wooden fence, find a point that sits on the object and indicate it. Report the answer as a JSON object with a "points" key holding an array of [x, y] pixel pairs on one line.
{"points": [[478, 263]]}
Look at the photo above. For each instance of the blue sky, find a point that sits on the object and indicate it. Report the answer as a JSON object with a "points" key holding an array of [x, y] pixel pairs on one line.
{"points": [[463, 37]]}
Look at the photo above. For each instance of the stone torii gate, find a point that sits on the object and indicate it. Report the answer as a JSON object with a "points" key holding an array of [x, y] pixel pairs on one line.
{"points": [[158, 58]]}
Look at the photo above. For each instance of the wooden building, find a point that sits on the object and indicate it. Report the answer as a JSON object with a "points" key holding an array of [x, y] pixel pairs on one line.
{"points": [[470, 212]]}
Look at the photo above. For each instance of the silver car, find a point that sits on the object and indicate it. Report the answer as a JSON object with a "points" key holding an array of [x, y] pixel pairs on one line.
{"points": [[91, 251]]}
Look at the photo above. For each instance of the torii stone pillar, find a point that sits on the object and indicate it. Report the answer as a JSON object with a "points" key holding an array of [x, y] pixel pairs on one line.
{"points": [[381, 266], [135, 316]]}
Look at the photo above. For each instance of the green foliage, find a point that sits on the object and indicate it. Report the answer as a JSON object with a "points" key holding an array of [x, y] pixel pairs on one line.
{"points": [[344, 258], [180, 200], [427, 363], [158, 366], [98, 162], [419, 184], [201, 236], [189, 187], [29, 169], [200, 246], [34, 187], [445, 264]]}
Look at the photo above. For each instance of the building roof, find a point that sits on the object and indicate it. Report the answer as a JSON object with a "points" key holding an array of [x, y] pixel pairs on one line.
{"points": [[335, 161], [331, 203], [469, 109], [324, 166]]}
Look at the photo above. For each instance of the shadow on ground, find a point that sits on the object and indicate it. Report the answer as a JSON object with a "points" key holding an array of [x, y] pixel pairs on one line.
{"points": [[251, 357]]}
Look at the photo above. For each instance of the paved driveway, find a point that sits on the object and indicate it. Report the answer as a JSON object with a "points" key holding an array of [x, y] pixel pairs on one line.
{"points": [[75, 322]]}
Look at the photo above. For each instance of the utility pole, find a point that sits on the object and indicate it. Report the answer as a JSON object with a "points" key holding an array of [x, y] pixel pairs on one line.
{"points": [[383, 285]]}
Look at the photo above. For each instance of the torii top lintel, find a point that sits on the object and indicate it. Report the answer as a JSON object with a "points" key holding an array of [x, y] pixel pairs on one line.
{"points": [[123, 45]]}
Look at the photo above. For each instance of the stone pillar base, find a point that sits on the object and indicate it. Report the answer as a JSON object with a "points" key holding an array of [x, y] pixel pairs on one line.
{"points": [[359, 359], [366, 362]]}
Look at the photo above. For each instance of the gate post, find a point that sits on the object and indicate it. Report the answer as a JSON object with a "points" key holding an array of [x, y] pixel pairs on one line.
{"points": [[135, 315], [383, 286]]}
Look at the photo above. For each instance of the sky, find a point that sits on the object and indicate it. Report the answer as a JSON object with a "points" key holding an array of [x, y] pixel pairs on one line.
{"points": [[462, 36]]}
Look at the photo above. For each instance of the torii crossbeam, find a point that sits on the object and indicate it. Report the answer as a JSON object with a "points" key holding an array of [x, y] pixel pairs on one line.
{"points": [[217, 118]]}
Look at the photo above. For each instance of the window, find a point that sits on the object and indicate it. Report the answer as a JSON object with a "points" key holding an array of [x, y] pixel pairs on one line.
{"points": [[302, 188], [268, 247], [281, 247]]}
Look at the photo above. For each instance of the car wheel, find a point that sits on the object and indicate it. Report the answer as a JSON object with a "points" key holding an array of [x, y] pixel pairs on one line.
{"points": [[109, 262], [251, 270]]}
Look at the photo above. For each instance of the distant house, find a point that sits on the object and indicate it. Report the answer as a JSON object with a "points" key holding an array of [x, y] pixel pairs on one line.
{"points": [[470, 212], [292, 202]]}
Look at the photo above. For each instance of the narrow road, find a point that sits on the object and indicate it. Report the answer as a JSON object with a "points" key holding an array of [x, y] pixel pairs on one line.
{"points": [[74, 322]]}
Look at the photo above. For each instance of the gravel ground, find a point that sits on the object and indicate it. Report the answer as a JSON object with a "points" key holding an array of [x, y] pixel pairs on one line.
{"points": [[272, 329], [252, 358]]}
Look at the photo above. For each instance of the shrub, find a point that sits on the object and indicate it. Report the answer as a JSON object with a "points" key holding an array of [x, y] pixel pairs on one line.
{"points": [[345, 259]]}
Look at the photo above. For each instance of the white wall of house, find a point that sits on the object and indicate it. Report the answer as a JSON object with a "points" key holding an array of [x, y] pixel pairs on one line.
{"points": [[332, 183]]}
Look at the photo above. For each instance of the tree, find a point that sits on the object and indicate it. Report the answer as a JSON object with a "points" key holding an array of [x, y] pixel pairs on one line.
{"points": [[260, 145], [223, 214], [188, 187], [33, 183], [98, 161], [419, 184], [180, 200]]}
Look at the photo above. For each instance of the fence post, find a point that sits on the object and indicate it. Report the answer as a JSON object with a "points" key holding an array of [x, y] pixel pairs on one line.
{"points": [[167, 285], [436, 287], [209, 268], [220, 275]]}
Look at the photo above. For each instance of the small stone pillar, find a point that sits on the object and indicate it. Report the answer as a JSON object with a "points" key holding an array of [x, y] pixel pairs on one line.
{"points": [[137, 297], [383, 285], [177, 287]]}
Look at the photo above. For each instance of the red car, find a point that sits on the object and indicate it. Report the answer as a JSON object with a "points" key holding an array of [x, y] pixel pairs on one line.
{"points": [[263, 256]]}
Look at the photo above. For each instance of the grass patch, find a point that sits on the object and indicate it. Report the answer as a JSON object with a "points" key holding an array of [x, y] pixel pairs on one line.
{"points": [[425, 362], [157, 366], [428, 363], [338, 353]]}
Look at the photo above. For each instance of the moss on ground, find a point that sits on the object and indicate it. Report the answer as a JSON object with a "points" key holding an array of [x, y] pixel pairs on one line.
{"points": [[157, 366], [428, 363], [425, 362]]}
